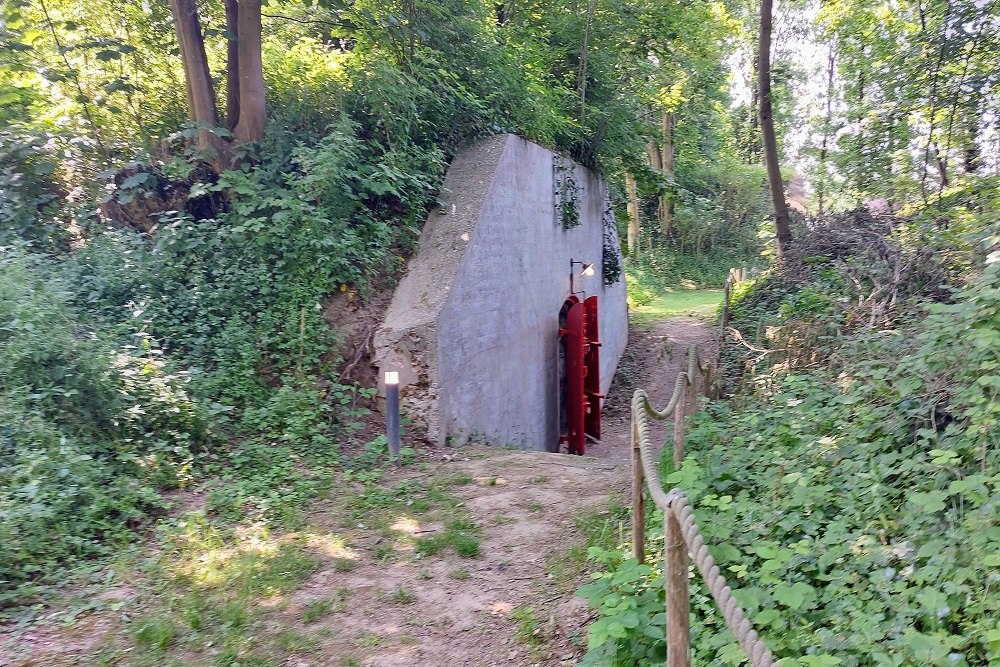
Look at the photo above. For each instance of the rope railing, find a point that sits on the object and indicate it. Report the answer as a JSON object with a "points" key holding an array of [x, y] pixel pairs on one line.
{"points": [[682, 538]]}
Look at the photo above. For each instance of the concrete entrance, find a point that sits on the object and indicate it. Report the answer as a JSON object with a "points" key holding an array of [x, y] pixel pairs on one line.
{"points": [[473, 326]]}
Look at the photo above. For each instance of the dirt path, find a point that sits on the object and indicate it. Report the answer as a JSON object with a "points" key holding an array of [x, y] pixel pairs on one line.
{"points": [[470, 557], [655, 355], [516, 606]]}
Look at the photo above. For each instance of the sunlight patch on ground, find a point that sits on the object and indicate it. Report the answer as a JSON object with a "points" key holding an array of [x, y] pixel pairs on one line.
{"points": [[406, 525], [692, 302], [331, 545]]}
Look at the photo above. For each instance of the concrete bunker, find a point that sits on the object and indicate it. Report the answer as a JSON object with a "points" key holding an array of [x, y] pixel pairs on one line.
{"points": [[473, 328]]}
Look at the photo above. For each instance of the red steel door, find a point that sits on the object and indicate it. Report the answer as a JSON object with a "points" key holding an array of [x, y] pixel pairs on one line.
{"points": [[574, 401], [592, 374], [582, 396]]}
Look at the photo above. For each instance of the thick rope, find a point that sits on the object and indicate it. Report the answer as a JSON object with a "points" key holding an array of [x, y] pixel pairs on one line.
{"points": [[733, 614], [676, 502]]}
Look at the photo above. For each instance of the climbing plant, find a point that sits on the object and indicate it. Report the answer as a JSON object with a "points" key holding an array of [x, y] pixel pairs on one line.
{"points": [[611, 252], [567, 193]]}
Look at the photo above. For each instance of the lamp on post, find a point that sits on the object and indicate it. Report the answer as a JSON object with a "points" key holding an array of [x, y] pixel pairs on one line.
{"points": [[586, 270], [392, 414]]}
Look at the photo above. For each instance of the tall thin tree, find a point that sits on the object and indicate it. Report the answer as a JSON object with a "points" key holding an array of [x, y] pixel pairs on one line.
{"points": [[782, 221], [232, 64]]}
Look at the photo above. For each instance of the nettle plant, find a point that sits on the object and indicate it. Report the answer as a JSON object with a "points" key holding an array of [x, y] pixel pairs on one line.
{"points": [[93, 421]]}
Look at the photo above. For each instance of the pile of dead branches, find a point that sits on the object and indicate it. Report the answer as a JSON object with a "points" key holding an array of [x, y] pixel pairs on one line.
{"points": [[882, 261]]}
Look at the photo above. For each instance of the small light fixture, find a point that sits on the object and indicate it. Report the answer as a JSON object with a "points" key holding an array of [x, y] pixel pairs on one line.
{"points": [[586, 270]]}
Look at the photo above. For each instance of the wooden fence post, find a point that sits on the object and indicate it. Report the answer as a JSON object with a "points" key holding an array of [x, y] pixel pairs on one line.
{"points": [[679, 410], [678, 600], [693, 382], [638, 499]]}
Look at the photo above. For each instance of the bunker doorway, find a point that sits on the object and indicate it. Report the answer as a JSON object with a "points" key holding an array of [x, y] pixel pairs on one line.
{"points": [[579, 373]]}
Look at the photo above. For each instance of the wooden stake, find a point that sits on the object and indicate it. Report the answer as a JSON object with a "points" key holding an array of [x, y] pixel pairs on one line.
{"points": [[638, 500], [679, 430], [678, 602]]}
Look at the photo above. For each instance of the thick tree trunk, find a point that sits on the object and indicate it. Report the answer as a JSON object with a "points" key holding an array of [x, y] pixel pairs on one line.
{"points": [[782, 221], [197, 78], [252, 108], [198, 81], [633, 216], [667, 160], [232, 64]]}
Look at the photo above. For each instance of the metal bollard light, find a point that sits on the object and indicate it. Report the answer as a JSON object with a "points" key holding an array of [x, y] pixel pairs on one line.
{"points": [[392, 414]]}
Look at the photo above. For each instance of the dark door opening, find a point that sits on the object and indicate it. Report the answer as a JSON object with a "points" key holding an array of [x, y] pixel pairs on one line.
{"points": [[579, 374]]}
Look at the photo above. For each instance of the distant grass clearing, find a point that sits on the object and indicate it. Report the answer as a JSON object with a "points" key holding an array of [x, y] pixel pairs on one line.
{"points": [[671, 303]]}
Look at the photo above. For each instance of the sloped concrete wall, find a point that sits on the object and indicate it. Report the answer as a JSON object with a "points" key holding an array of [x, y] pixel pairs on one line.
{"points": [[473, 326]]}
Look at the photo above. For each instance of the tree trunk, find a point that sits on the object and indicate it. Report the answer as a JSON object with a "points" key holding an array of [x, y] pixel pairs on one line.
{"points": [[584, 54], [655, 158], [197, 78], [971, 155], [232, 64], [932, 113], [633, 216], [667, 202], [861, 171], [821, 186], [82, 96], [252, 110], [754, 125], [782, 222]]}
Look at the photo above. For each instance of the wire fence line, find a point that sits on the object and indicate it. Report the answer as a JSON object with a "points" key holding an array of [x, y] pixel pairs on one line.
{"points": [[682, 538]]}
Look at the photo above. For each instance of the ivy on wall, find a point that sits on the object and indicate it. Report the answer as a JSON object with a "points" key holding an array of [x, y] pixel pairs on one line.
{"points": [[567, 193], [611, 257]]}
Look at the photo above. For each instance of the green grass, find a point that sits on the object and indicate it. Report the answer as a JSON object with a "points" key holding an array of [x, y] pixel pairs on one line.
{"points": [[402, 596], [294, 641], [671, 303], [461, 535], [317, 609], [155, 634]]}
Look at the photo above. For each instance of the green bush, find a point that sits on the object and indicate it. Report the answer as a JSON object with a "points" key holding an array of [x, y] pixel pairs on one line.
{"points": [[852, 506], [29, 194], [93, 422]]}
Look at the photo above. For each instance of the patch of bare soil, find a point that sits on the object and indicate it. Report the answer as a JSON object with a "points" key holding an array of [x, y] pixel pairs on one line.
{"points": [[526, 504], [470, 611]]}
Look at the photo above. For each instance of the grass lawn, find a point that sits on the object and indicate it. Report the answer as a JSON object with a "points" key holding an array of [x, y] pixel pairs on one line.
{"points": [[671, 303]]}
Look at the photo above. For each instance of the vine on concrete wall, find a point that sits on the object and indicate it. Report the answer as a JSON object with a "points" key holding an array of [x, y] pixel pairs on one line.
{"points": [[611, 256], [567, 193]]}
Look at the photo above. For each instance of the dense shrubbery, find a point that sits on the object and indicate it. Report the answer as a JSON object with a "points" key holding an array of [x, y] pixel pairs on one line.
{"points": [[850, 489], [93, 422]]}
